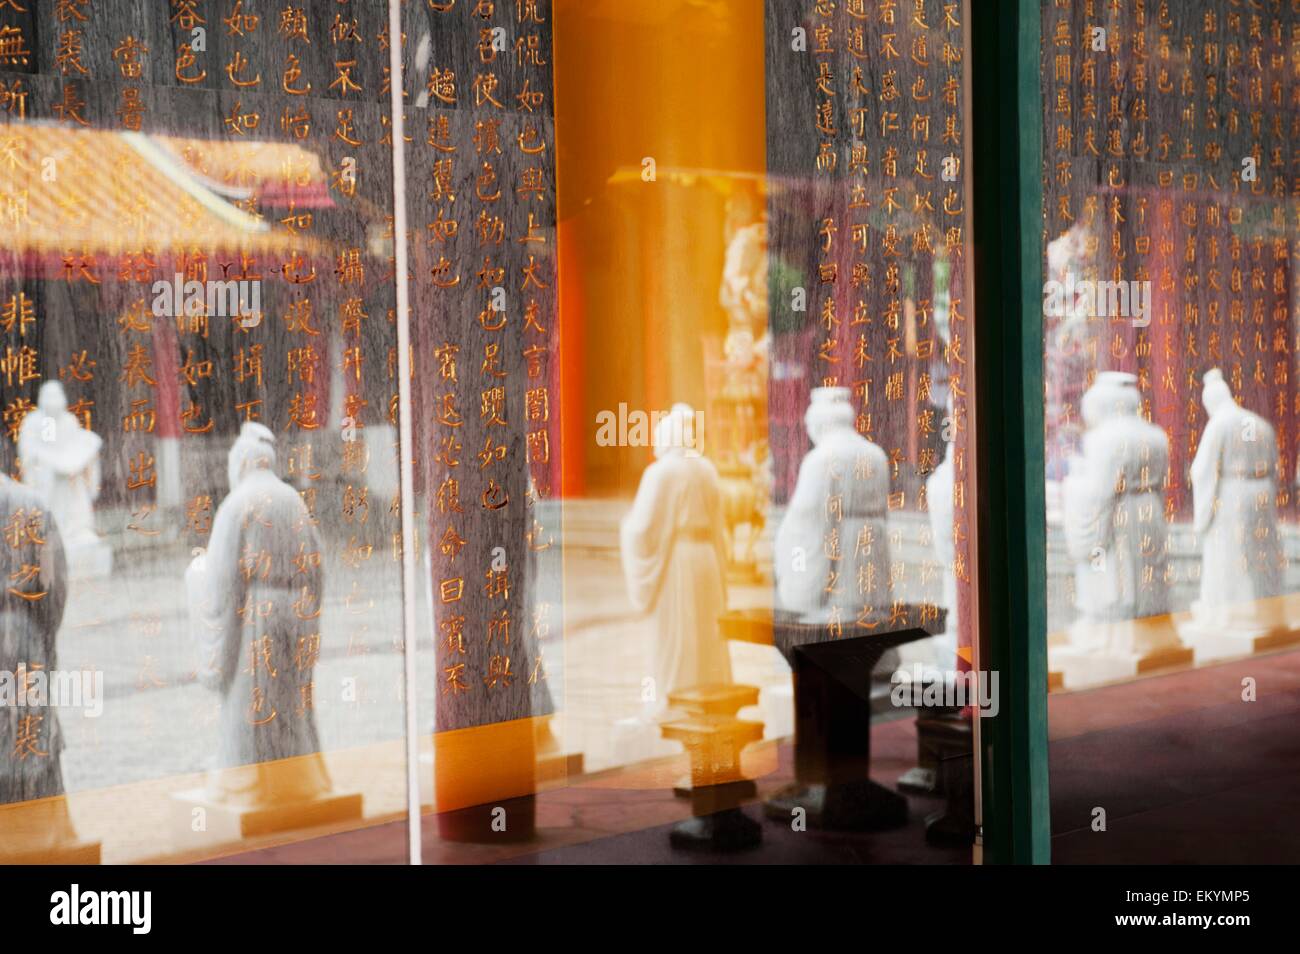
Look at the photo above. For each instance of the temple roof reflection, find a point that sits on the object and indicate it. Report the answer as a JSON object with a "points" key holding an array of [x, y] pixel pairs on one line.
{"points": [[93, 192]]}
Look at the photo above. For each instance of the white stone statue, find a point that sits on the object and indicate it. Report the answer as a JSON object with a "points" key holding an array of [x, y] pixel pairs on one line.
{"points": [[831, 553], [1116, 536], [1234, 494], [674, 558], [743, 296], [942, 647], [60, 462], [255, 602]]}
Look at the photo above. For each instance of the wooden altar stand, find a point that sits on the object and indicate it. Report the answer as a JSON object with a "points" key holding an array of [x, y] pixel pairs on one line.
{"points": [[832, 699]]}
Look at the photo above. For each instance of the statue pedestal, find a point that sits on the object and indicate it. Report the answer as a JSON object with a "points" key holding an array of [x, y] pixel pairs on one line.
{"points": [[717, 822], [718, 699], [89, 559], [853, 805], [833, 690], [940, 734], [63, 853], [41, 832], [954, 825], [945, 768], [715, 699], [1243, 630], [199, 819], [714, 743], [1155, 646]]}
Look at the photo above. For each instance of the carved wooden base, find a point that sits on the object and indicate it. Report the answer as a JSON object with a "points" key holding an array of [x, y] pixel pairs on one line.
{"points": [[41, 832], [728, 830], [858, 805], [197, 818], [940, 734], [714, 699], [714, 743], [723, 700], [951, 740], [685, 788], [67, 853]]}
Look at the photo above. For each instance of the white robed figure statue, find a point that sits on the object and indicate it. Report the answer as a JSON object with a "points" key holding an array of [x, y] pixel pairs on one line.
{"points": [[1116, 536], [833, 536], [35, 824], [1114, 509], [255, 601], [61, 464], [1234, 494], [674, 557]]}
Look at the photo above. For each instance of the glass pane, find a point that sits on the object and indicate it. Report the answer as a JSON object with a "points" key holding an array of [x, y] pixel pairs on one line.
{"points": [[1169, 322], [197, 383], [689, 318], [480, 189], [621, 321]]}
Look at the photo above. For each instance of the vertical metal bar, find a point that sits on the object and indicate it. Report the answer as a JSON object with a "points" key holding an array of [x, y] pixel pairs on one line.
{"points": [[406, 450]]}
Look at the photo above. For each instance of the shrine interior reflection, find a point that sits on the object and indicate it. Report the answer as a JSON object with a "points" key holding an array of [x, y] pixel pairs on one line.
{"points": [[1169, 326], [686, 406], [198, 402], [644, 528]]}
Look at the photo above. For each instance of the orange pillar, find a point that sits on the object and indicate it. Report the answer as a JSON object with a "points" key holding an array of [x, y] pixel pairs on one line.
{"points": [[679, 82]]}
